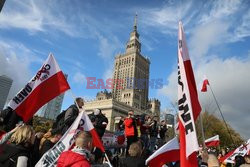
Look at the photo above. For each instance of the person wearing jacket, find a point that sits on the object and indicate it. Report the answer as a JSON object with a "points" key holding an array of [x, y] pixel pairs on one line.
{"points": [[135, 158], [49, 143], [80, 155], [100, 122], [17, 152], [130, 129], [67, 117]]}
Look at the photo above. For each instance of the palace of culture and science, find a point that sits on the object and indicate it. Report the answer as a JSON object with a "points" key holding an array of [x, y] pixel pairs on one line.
{"points": [[132, 68]]}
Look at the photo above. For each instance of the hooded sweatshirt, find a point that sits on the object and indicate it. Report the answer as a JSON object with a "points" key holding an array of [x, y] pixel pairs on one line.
{"points": [[77, 157]]}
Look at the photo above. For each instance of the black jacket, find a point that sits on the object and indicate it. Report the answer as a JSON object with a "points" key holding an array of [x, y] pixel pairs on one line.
{"points": [[47, 144], [163, 130], [10, 154], [132, 162], [100, 126], [154, 129], [64, 120]]}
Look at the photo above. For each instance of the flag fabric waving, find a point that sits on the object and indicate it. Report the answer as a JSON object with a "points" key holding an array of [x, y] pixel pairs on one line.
{"points": [[48, 83], [188, 103], [213, 141], [204, 85], [169, 152], [241, 150], [82, 122]]}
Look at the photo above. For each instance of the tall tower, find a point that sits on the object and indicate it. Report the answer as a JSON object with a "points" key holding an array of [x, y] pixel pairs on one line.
{"points": [[131, 74], [5, 85]]}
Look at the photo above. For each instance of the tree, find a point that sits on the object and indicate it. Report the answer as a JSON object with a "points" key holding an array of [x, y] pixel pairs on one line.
{"points": [[214, 126]]}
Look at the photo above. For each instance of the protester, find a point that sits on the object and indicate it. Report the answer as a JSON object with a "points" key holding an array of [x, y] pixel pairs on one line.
{"points": [[247, 161], [17, 153], [7, 136], [153, 134], [49, 143], [162, 132], [134, 159], [120, 125], [130, 129], [65, 119], [209, 160], [100, 122], [239, 160], [80, 155], [145, 130]]}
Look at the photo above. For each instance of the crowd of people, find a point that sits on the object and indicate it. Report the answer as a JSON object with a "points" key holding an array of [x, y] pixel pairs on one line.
{"points": [[21, 146]]}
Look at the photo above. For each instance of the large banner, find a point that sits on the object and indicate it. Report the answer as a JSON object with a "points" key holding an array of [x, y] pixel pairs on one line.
{"points": [[242, 151], [188, 103], [48, 83], [82, 122], [114, 140]]}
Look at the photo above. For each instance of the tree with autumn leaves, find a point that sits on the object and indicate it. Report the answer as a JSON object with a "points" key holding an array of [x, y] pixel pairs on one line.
{"points": [[214, 126]]}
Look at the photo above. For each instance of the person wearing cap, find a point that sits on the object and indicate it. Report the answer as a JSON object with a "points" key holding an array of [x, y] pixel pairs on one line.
{"points": [[100, 122]]}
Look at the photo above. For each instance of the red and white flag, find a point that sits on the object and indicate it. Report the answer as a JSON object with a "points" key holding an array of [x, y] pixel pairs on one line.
{"points": [[242, 150], [213, 141], [189, 106], [204, 85], [169, 152], [48, 83], [82, 122]]}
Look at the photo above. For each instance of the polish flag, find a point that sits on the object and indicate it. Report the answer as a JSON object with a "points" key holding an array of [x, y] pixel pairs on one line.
{"points": [[242, 150], [169, 152], [204, 85], [88, 126], [48, 83], [213, 141], [81, 123], [188, 103]]}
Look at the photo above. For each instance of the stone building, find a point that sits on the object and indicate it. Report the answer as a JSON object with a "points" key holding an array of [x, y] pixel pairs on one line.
{"points": [[130, 89]]}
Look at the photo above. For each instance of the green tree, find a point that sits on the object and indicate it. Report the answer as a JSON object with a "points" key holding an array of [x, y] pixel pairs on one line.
{"points": [[214, 126]]}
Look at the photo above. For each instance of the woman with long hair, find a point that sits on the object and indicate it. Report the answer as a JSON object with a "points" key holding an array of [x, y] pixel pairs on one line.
{"points": [[16, 153]]}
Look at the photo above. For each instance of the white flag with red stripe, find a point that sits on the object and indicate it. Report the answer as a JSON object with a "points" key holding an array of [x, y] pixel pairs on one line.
{"points": [[169, 152], [82, 122], [213, 141], [242, 150], [189, 106], [48, 83]]}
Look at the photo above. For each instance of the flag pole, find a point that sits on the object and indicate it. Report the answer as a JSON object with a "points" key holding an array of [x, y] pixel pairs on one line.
{"points": [[202, 131], [73, 96], [221, 114]]}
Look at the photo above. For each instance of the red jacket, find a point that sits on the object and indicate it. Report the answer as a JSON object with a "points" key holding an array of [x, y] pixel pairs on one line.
{"points": [[129, 128], [72, 159]]}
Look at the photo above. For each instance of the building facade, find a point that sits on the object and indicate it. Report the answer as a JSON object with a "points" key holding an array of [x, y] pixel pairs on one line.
{"points": [[130, 91], [131, 74], [5, 85]]}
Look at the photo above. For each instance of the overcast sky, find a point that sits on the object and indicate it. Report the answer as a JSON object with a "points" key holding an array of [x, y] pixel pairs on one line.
{"points": [[84, 37]]}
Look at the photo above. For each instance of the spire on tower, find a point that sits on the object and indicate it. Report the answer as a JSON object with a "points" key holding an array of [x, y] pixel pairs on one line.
{"points": [[135, 22]]}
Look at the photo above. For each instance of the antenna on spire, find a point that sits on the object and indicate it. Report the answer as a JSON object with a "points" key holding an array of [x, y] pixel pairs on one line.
{"points": [[135, 22]]}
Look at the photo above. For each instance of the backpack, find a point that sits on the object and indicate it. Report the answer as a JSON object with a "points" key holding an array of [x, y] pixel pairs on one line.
{"points": [[59, 120]]}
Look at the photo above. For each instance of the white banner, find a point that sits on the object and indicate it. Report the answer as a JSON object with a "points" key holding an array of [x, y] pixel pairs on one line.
{"points": [[49, 159], [184, 100], [242, 151], [48, 69]]}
